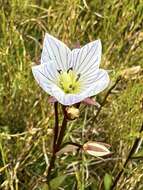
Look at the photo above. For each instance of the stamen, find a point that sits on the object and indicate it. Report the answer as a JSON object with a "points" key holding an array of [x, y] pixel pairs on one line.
{"points": [[69, 81], [70, 86], [70, 69], [59, 71], [78, 77]]}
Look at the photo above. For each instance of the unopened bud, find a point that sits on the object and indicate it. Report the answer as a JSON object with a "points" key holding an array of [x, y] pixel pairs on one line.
{"points": [[72, 112], [96, 148], [67, 149], [90, 101], [52, 99]]}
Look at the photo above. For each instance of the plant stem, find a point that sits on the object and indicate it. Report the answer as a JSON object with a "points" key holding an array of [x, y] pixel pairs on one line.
{"points": [[133, 149], [56, 131], [62, 132], [58, 137]]}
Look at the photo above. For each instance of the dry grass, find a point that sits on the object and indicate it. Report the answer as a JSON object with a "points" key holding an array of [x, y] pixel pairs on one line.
{"points": [[25, 115]]}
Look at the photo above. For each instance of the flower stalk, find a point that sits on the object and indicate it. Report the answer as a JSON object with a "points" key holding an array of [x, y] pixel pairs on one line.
{"points": [[56, 131], [58, 137], [56, 128], [61, 135]]}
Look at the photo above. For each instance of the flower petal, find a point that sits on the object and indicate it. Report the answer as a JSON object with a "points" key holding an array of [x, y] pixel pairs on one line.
{"points": [[45, 76], [93, 77], [99, 84], [66, 99], [57, 51], [87, 58]]}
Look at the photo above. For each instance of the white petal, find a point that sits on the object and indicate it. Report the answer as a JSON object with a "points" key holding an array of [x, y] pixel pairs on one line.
{"points": [[74, 57], [66, 99], [54, 49], [47, 81], [99, 84], [87, 58], [45, 76]]}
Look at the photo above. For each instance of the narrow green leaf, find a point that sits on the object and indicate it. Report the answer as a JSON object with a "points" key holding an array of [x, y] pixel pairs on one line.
{"points": [[57, 181], [138, 154], [107, 181]]}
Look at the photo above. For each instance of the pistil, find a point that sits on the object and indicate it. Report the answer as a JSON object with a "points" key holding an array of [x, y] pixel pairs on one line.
{"points": [[69, 81]]}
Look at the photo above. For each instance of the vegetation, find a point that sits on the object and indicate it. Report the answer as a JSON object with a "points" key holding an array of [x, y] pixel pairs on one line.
{"points": [[26, 117]]}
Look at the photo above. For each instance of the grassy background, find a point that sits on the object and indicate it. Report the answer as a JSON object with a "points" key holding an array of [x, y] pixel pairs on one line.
{"points": [[25, 114]]}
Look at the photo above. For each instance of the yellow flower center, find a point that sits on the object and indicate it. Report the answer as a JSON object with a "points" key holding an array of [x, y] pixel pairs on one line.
{"points": [[69, 82]]}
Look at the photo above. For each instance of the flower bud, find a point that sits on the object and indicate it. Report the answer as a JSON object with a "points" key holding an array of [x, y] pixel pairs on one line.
{"points": [[96, 148], [67, 149], [90, 101], [72, 113], [52, 99]]}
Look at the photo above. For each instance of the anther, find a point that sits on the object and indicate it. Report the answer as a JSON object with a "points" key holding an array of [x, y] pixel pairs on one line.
{"points": [[70, 69], [78, 77], [70, 86], [59, 71]]}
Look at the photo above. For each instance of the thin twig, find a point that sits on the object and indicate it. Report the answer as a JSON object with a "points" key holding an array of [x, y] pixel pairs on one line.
{"points": [[132, 151]]}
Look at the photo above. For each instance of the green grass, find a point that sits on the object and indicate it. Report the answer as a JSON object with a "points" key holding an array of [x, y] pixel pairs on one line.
{"points": [[26, 115]]}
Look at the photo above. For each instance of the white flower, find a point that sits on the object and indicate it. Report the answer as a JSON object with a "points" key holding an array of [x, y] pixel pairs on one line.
{"points": [[70, 75]]}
